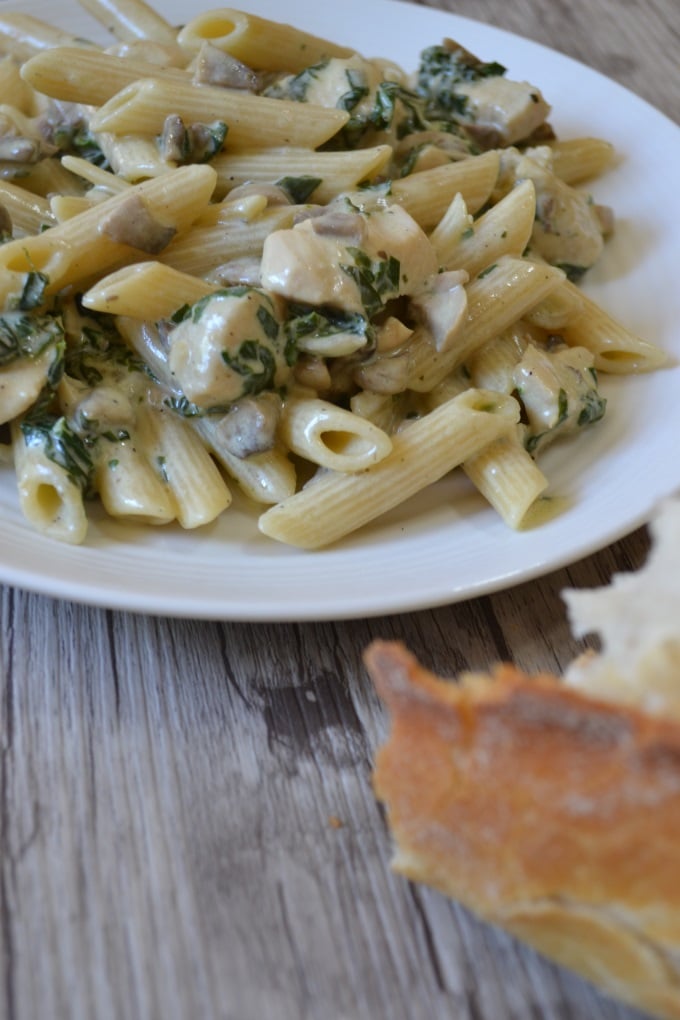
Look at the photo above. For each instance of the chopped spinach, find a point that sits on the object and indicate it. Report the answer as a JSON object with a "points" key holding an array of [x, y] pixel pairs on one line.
{"points": [[255, 363], [61, 445], [377, 279], [299, 189], [27, 336]]}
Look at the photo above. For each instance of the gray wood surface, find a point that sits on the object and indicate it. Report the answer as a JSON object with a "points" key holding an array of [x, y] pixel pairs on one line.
{"points": [[187, 827]]}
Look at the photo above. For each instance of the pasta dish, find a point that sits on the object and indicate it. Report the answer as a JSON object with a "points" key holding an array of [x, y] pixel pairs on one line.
{"points": [[235, 254]]}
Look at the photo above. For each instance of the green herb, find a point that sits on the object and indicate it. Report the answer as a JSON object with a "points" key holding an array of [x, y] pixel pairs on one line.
{"points": [[34, 291], [270, 325], [594, 407], [358, 90], [574, 273], [297, 87], [27, 336], [61, 445], [78, 140], [299, 189], [441, 69], [98, 347], [306, 322], [376, 280], [205, 140], [485, 272], [255, 363]]}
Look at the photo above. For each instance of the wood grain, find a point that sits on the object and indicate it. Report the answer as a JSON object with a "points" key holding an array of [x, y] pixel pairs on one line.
{"points": [[187, 826]]}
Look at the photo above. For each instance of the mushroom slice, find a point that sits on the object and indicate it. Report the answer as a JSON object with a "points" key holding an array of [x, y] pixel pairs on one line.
{"points": [[131, 223]]}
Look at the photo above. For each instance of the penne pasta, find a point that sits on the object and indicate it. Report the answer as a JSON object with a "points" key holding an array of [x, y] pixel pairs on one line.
{"points": [[130, 488], [28, 212], [234, 251], [82, 75], [334, 172], [131, 19], [66, 253], [505, 229], [252, 121], [508, 478], [258, 42], [148, 291], [334, 504], [23, 35], [330, 436], [495, 301], [49, 498], [616, 349], [427, 195], [575, 160], [173, 448]]}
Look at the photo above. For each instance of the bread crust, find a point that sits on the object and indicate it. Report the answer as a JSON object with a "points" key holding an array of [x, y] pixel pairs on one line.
{"points": [[546, 811]]}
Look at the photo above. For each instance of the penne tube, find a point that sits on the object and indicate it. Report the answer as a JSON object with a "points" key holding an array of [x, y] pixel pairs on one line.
{"points": [[130, 488], [575, 160], [91, 77], [103, 180], [49, 497], [78, 248], [616, 349], [454, 225], [496, 300], [335, 171], [334, 504], [29, 213], [175, 450], [267, 477], [505, 229], [148, 291], [331, 436], [556, 310], [253, 121], [508, 478], [49, 177], [491, 367], [13, 89], [258, 42], [131, 19], [22, 382], [65, 207], [23, 35], [200, 250], [132, 157], [426, 195]]}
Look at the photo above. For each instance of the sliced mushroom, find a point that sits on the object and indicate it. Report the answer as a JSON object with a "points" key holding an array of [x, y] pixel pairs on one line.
{"points": [[250, 425], [131, 223], [215, 67]]}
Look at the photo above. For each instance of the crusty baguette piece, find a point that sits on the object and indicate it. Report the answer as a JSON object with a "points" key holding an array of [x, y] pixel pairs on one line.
{"points": [[546, 811]]}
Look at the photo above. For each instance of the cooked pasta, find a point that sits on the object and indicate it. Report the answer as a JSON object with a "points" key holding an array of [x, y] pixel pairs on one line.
{"points": [[236, 254]]}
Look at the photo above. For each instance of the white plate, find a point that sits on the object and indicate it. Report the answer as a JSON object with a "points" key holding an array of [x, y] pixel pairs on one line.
{"points": [[444, 545]]}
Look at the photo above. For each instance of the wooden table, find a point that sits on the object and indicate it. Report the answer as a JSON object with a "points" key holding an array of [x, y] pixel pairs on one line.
{"points": [[186, 818]]}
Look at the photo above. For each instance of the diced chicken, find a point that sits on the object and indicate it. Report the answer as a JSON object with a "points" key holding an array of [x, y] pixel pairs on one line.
{"points": [[511, 110], [567, 229], [441, 306], [558, 390], [317, 267], [229, 346]]}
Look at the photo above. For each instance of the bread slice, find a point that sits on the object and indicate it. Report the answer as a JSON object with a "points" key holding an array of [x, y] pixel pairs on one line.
{"points": [[548, 809]]}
